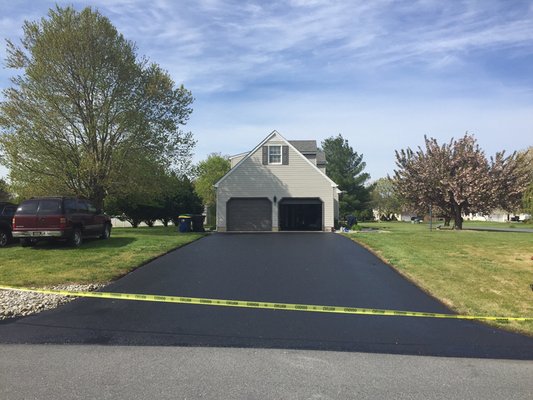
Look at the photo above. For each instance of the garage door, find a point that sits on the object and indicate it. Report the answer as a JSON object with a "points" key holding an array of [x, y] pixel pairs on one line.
{"points": [[300, 214], [249, 214]]}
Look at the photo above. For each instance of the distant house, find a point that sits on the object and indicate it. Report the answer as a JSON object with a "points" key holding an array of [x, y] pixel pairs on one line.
{"points": [[497, 216], [280, 185]]}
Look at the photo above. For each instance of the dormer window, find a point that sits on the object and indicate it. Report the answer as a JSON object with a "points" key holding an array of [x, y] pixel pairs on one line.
{"points": [[274, 154]]}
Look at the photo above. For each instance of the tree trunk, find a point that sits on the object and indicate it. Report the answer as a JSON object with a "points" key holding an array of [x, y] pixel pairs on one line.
{"points": [[97, 197], [448, 217], [134, 222], [458, 218]]}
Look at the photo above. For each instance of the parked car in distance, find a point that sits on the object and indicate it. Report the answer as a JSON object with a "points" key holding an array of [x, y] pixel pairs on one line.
{"points": [[7, 211], [59, 218]]}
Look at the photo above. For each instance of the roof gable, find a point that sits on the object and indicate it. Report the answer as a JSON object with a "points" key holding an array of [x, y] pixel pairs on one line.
{"points": [[268, 138]]}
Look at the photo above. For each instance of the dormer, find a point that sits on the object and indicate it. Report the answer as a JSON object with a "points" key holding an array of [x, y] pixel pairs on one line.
{"points": [[310, 150], [273, 154]]}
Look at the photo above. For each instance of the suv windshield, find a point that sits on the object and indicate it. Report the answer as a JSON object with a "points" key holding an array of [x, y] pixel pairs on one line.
{"points": [[49, 207]]}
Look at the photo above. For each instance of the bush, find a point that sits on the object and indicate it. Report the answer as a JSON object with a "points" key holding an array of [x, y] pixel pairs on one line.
{"points": [[355, 227], [364, 215]]}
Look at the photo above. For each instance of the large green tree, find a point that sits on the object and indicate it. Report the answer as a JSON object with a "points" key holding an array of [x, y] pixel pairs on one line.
{"points": [[140, 192], [346, 168], [208, 172], [86, 108], [385, 200], [458, 178], [176, 197], [5, 191]]}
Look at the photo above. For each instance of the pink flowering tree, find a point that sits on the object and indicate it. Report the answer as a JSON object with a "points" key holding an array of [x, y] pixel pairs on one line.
{"points": [[457, 178]]}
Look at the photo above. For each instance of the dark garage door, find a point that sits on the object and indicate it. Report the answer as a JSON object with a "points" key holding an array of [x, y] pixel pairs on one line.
{"points": [[300, 214], [249, 214]]}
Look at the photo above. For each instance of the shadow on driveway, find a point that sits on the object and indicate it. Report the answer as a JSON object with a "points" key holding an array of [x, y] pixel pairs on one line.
{"points": [[88, 243]]}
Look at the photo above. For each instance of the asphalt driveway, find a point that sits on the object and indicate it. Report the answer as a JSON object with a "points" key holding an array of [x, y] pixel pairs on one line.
{"points": [[308, 268]]}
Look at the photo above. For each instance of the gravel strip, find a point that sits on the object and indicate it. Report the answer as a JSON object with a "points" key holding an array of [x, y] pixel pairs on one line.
{"points": [[20, 304]]}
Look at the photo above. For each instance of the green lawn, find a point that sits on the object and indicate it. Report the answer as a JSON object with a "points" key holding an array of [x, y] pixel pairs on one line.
{"points": [[503, 225], [96, 261], [475, 273]]}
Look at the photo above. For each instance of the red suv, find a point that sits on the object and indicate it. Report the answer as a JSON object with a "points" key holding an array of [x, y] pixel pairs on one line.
{"points": [[67, 218]]}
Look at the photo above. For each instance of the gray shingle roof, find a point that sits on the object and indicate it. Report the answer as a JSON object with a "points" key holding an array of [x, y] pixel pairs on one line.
{"points": [[304, 146], [320, 158]]}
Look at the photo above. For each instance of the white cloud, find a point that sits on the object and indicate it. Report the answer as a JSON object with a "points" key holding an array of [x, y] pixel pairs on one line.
{"points": [[217, 45], [383, 73]]}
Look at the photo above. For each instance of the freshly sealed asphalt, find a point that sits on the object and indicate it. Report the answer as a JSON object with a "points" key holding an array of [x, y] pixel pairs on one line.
{"points": [[304, 268]]}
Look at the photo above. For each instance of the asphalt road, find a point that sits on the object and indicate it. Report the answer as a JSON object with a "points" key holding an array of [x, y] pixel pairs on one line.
{"points": [[313, 268], [138, 373]]}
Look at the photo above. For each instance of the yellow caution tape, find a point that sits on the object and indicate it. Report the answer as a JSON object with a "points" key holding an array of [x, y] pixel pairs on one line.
{"points": [[263, 305]]}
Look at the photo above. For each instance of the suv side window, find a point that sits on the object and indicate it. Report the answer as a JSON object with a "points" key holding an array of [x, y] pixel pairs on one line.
{"points": [[50, 207], [28, 207], [92, 209], [70, 206], [83, 207], [9, 211]]}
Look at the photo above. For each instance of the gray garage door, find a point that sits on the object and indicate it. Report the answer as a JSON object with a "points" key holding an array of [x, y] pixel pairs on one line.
{"points": [[249, 214]]}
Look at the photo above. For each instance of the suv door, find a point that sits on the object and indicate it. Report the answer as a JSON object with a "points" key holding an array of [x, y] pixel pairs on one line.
{"points": [[85, 217], [72, 214], [96, 221]]}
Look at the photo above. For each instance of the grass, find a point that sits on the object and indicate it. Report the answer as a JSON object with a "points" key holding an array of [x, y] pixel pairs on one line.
{"points": [[96, 261], [502, 225], [474, 273]]}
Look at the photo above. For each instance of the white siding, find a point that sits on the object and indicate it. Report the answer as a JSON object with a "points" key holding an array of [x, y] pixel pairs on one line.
{"points": [[298, 179], [234, 160]]}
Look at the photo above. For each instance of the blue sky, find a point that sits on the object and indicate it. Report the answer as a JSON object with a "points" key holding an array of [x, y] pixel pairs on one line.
{"points": [[382, 73]]}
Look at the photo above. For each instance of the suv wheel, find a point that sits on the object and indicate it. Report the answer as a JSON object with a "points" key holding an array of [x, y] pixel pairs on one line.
{"points": [[76, 239], [4, 238], [107, 232]]}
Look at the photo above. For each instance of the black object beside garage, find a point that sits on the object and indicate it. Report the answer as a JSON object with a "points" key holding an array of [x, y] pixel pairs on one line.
{"points": [[249, 214], [300, 214]]}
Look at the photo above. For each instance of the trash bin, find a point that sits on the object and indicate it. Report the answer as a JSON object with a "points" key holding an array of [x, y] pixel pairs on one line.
{"points": [[184, 223], [198, 223]]}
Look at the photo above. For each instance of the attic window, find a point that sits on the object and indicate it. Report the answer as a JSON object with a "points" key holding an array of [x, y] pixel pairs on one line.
{"points": [[274, 154]]}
